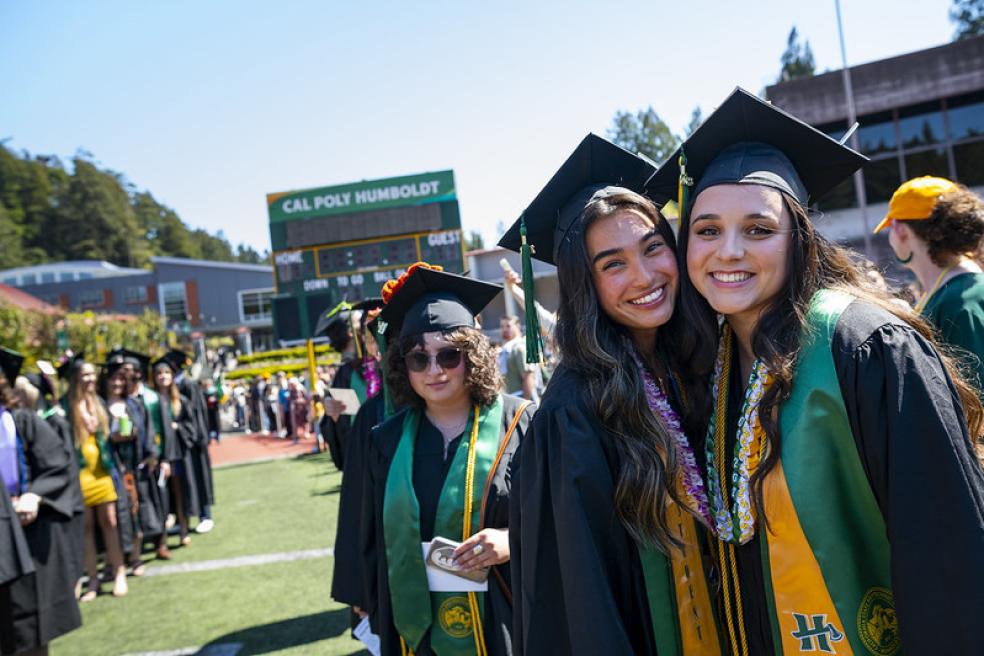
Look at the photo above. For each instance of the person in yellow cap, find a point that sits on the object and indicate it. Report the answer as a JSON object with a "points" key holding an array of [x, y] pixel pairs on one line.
{"points": [[936, 230]]}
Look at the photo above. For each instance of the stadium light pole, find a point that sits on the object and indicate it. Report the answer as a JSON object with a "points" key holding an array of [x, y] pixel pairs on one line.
{"points": [[862, 196]]}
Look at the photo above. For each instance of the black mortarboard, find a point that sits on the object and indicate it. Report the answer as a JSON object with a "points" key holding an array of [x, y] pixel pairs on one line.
{"points": [[435, 301], [167, 362], [178, 360], [369, 304], [335, 324], [69, 364], [749, 141], [10, 364], [42, 383], [597, 168]]}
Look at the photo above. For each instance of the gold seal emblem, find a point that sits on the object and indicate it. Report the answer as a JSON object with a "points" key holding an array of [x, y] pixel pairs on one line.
{"points": [[877, 624], [455, 618]]}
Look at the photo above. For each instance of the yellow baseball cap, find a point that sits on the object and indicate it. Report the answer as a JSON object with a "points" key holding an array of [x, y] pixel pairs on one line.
{"points": [[915, 200]]}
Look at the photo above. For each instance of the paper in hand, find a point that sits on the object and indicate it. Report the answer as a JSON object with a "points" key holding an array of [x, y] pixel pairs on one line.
{"points": [[346, 396]]}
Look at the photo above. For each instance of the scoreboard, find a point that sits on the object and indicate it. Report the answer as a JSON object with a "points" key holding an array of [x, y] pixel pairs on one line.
{"points": [[343, 242]]}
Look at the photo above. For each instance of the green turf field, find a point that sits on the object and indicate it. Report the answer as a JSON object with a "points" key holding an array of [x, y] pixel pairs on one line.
{"points": [[283, 608]]}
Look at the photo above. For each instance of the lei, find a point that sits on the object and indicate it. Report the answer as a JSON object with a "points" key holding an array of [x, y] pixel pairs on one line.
{"points": [[693, 484], [370, 374], [734, 524]]}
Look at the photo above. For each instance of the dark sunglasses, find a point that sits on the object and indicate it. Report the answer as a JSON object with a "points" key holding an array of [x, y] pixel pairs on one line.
{"points": [[446, 358]]}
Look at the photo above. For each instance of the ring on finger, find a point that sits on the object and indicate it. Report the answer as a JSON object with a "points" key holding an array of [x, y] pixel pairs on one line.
{"points": [[478, 549]]}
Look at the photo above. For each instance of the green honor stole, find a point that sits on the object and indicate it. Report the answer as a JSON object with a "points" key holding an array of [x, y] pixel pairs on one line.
{"points": [[357, 383], [458, 615]]}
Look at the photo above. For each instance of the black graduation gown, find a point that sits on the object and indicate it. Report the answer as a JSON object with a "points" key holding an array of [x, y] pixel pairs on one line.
{"points": [[578, 585], [41, 606], [57, 421], [910, 431], [347, 585], [126, 456], [180, 450], [335, 433], [152, 509], [498, 600], [199, 463]]}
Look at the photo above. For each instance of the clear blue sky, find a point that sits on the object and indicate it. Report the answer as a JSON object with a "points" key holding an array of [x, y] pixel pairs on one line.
{"points": [[210, 105]]}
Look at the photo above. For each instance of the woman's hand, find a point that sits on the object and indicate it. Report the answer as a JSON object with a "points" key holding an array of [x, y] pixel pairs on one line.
{"points": [[166, 469], [334, 408], [26, 507], [486, 548]]}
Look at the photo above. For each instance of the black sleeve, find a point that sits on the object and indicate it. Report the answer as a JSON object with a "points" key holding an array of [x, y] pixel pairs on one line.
{"points": [[368, 528], [51, 472], [170, 447], [576, 576], [910, 430]]}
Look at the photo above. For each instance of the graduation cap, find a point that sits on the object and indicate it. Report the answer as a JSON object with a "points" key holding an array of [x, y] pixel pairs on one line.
{"points": [[10, 364], [42, 383], [170, 363], [177, 360], [428, 300], [749, 141], [596, 169], [69, 364]]}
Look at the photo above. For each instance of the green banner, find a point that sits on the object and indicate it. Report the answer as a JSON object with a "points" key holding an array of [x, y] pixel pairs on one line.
{"points": [[361, 196]]}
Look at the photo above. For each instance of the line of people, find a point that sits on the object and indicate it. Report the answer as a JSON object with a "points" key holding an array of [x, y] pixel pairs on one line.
{"points": [[746, 447], [100, 469]]}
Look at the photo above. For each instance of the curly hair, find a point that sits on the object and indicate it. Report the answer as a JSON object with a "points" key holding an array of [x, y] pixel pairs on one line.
{"points": [[482, 378], [955, 227]]}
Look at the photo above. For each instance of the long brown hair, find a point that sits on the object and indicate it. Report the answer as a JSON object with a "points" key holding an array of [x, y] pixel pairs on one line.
{"points": [[76, 397], [813, 263], [172, 391], [601, 352]]}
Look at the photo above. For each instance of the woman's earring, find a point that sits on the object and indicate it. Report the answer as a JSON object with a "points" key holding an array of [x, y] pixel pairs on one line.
{"points": [[903, 261]]}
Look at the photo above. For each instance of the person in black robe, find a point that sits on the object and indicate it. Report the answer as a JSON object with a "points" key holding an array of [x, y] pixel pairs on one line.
{"points": [[38, 606], [428, 309], [913, 422], [199, 463]]}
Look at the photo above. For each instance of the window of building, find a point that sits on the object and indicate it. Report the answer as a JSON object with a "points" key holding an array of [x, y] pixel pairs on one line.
{"points": [[256, 305], [66, 277], [92, 298], [85, 276], [927, 162], [966, 116], [877, 134], [174, 304], [840, 197], [135, 295], [29, 279], [881, 178], [10, 281], [969, 159], [921, 126], [48, 277]]}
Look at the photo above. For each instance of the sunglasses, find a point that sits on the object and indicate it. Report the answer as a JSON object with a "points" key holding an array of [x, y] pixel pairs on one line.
{"points": [[446, 358]]}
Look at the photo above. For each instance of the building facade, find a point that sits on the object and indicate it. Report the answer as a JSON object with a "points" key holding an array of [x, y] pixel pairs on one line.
{"points": [[921, 113], [192, 296]]}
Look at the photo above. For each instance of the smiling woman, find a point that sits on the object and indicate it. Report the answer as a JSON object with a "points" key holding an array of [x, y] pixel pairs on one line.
{"points": [[838, 455]]}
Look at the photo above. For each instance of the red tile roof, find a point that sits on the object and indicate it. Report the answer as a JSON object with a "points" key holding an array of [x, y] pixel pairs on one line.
{"points": [[13, 296]]}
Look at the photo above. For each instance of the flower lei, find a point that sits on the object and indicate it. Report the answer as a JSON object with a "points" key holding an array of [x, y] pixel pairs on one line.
{"points": [[693, 484], [370, 374], [737, 523], [391, 287]]}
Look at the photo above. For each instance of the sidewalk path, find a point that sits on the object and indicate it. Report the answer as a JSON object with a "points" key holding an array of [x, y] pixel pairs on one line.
{"points": [[240, 448]]}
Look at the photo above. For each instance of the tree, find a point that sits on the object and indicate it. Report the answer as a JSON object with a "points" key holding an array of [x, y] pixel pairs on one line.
{"points": [[968, 15], [474, 241], [643, 132], [797, 61], [696, 118]]}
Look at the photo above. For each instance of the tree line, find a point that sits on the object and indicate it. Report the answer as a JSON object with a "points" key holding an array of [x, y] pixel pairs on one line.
{"points": [[50, 212]]}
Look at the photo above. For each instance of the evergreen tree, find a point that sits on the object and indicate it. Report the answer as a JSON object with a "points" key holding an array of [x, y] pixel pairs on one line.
{"points": [[643, 132], [797, 60], [968, 15], [696, 118]]}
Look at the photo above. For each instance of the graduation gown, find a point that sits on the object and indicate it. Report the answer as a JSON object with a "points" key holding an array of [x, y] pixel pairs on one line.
{"points": [[38, 607], [909, 429], [199, 464], [347, 585], [335, 433], [55, 418], [578, 583], [152, 509], [184, 450], [127, 455], [428, 481]]}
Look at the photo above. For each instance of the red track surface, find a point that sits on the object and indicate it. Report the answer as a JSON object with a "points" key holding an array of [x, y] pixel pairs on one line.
{"points": [[239, 448]]}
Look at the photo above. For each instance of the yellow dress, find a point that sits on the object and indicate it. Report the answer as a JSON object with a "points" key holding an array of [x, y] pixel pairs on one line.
{"points": [[96, 482]]}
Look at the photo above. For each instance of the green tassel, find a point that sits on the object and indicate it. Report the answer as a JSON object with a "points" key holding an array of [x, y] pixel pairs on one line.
{"points": [[683, 191], [534, 340]]}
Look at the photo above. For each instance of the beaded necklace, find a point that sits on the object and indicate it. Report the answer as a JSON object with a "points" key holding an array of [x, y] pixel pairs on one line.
{"points": [[734, 524], [693, 484]]}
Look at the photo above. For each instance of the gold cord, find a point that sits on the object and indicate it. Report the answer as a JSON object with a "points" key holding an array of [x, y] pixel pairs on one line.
{"points": [[477, 629], [924, 299]]}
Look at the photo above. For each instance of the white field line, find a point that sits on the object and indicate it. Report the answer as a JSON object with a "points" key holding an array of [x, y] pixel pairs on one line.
{"points": [[241, 561]]}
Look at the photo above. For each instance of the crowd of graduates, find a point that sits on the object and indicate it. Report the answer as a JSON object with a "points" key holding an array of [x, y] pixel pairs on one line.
{"points": [[108, 466], [747, 446]]}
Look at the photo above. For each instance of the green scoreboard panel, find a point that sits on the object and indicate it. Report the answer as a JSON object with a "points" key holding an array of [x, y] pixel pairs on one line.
{"points": [[342, 243]]}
